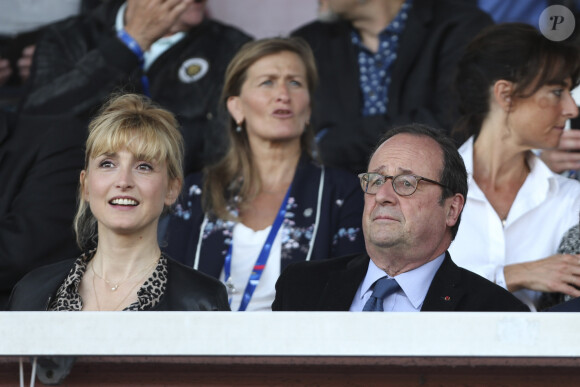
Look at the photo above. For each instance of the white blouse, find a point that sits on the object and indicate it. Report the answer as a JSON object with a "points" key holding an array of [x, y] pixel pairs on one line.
{"points": [[247, 245]]}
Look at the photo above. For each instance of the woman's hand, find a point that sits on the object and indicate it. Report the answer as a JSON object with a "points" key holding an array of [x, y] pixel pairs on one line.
{"points": [[148, 20], [567, 155], [556, 273]]}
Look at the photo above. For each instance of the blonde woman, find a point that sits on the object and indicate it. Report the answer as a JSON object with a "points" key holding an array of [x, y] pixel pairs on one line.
{"points": [[132, 174]]}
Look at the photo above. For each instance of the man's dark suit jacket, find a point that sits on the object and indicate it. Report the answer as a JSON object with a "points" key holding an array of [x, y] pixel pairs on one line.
{"points": [[330, 285], [569, 306], [421, 79]]}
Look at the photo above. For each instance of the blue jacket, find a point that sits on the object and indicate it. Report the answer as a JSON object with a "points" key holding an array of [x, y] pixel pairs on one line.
{"points": [[335, 227]]}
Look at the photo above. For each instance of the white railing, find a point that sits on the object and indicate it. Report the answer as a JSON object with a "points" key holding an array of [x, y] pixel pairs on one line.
{"points": [[290, 334]]}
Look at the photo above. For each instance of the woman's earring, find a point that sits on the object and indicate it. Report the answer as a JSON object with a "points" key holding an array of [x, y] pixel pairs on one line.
{"points": [[239, 128]]}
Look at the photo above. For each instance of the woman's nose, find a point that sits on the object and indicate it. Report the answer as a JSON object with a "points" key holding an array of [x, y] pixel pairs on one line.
{"points": [[125, 178], [570, 108], [282, 93]]}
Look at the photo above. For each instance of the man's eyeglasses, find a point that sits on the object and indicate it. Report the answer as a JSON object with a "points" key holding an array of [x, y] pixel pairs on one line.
{"points": [[404, 185]]}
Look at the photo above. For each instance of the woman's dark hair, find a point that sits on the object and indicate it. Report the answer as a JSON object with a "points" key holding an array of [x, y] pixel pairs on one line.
{"points": [[453, 175], [514, 52]]}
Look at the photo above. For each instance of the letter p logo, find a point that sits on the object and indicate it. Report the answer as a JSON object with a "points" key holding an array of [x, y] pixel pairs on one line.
{"points": [[557, 23]]}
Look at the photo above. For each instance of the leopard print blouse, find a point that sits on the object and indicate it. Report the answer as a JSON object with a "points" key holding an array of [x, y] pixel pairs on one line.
{"points": [[67, 297]]}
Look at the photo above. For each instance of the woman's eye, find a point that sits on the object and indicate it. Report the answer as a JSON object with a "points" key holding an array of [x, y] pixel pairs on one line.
{"points": [[267, 82], [558, 92], [295, 83], [145, 167], [106, 164]]}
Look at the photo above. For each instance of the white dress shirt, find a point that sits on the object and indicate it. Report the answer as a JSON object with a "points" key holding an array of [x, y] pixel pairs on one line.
{"points": [[409, 298], [545, 207]]}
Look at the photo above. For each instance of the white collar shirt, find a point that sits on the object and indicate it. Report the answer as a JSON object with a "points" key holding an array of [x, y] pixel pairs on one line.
{"points": [[545, 207], [414, 285]]}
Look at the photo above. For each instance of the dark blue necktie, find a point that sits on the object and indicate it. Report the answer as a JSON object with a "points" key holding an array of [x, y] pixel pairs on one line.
{"points": [[383, 287]]}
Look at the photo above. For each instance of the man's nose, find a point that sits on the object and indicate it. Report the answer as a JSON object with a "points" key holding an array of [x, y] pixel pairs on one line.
{"points": [[386, 193]]}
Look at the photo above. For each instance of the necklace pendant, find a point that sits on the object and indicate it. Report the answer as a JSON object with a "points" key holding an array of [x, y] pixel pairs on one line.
{"points": [[230, 287], [114, 287]]}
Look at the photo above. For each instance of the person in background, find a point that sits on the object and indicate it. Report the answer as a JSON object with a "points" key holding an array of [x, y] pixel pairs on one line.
{"points": [[514, 86], [384, 63], [268, 202], [39, 171], [167, 49], [414, 189], [21, 24], [570, 244], [132, 174]]}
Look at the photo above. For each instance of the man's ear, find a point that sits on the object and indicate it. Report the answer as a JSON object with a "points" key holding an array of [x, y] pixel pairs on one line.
{"points": [[235, 108], [502, 94], [173, 192], [455, 205]]}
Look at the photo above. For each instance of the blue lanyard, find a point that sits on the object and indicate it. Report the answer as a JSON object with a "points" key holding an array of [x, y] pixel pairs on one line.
{"points": [[262, 258], [134, 46]]}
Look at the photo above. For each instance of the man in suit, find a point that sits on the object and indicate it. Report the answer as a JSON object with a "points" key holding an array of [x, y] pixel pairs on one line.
{"points": [[384, 63], [414, 195]]}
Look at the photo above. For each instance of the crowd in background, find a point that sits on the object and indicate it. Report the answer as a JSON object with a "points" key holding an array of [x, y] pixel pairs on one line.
{"points": [[278, 135]]}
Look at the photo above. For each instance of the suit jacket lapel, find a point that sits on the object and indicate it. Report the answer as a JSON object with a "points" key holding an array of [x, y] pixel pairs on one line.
{"points": [[445, 291], [342, 285]]}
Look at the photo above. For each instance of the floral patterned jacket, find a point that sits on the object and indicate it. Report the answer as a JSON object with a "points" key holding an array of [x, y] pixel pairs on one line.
{"points": [[337, 228]]}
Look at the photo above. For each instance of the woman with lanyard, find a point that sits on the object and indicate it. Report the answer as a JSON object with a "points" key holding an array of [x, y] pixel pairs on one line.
{"points": [[268, 202]]}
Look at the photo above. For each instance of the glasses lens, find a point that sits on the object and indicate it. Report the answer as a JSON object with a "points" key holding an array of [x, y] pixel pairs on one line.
{"points": [[405, 184], [371, 182]]}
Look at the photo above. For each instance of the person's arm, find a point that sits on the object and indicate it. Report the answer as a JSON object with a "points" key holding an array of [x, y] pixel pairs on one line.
{"points": [[74, 71], [72, 74], [556, 273]]}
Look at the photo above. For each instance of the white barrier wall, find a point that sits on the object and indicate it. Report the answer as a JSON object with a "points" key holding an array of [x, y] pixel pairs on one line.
{"points": [[290, 334]]}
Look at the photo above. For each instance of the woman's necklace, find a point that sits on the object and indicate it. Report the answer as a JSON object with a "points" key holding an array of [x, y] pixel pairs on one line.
{"points": [[128, 293], [114, 286]]}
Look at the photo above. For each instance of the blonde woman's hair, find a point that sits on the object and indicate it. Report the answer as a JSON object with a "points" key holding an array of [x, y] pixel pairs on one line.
{"points": [[235, 177], [135, 123]]}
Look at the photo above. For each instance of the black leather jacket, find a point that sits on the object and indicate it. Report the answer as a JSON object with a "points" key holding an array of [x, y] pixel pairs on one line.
{"points": [[187, 289], [80, 61]]}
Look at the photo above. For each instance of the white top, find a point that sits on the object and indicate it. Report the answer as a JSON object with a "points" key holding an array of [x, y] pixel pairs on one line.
{"points": [[18, 16], [546, 206], [247, 246], [409, 298]]}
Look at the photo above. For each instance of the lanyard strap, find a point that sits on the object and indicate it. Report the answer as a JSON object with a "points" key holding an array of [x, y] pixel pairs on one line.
{"points": [[136, 49], [262, 257]]}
